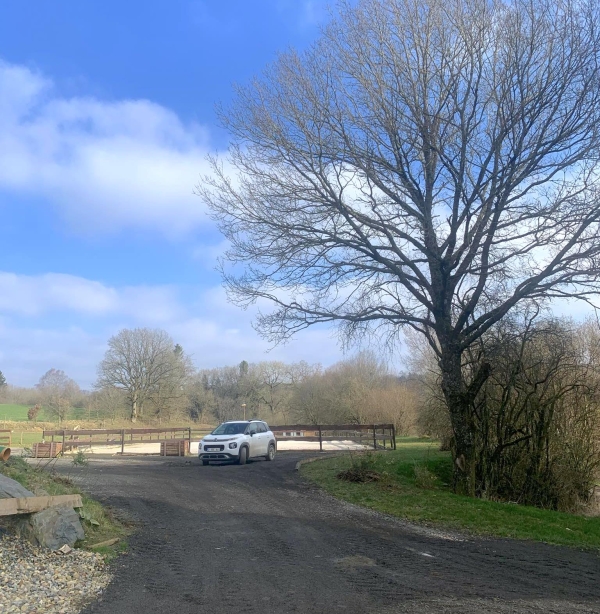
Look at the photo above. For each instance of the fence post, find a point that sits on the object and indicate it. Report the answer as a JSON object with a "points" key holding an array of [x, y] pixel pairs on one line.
{"points": [[394, 436], [374, 438], [189, 439], [62, 452], [320, 439], [122, 442]]}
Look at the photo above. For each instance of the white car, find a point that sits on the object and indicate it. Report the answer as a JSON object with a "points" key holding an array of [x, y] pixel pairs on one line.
{"points": [[238, 441]]}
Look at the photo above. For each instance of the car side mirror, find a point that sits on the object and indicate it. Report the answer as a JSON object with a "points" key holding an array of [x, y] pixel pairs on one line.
{"points": [[251, 434]]}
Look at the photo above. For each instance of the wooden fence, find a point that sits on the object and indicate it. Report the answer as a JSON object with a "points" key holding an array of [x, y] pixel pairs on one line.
{"points": [[5, 437], [176, 441], [377, 435], [73, 439]]}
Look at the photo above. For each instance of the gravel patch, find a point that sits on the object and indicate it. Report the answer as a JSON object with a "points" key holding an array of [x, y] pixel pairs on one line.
{"points": [[36, 580]]}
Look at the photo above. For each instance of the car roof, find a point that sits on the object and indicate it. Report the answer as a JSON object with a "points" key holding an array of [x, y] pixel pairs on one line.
{"points": [[241, 421]]}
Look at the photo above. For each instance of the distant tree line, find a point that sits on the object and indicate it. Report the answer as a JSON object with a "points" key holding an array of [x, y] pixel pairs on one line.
{"points": [[146, 376]]}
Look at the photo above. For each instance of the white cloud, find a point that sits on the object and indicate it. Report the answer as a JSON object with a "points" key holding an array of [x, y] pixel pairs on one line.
{"points": [[31, 296], [105, 165], [35, 338]]}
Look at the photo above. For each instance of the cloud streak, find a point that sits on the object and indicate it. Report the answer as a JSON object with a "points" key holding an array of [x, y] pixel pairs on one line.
{"points": [[64, 321], [34, 296]]}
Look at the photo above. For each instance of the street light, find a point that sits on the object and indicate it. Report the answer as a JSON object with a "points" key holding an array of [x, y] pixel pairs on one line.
{"points": [[244, 408]]}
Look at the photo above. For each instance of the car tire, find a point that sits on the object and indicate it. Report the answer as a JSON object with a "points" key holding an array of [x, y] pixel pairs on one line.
{"points": [[271, 453], [205, 462], [243, 457]]}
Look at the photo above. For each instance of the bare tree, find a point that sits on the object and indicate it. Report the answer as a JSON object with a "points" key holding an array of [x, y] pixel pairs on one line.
{"points": [[58, 391], [169, 396], [274, 386], [108, 403], [138, 361], [427, 164]]}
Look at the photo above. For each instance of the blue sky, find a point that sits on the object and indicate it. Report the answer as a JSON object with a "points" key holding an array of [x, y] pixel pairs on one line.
{"points": [[106, 117]]}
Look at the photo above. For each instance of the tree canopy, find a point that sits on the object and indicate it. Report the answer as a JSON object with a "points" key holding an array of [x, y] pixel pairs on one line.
{"points": [[427, 163]]}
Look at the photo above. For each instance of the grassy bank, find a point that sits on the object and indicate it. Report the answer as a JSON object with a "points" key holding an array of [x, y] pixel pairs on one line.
{"points": [[415, 486], [98, 523]]}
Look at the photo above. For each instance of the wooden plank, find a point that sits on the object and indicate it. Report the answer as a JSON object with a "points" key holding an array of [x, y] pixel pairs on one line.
{"points": [[108, 542], [326, 427], [137, 431], [28, 505], [87, 443], [47, 450], [324, 438], [80, 432]]}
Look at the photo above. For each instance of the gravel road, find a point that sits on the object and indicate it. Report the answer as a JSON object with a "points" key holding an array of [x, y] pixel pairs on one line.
{"points": [[258, 539]]}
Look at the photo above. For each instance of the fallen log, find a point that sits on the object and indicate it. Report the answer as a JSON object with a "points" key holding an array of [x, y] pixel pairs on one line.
{"points": [[28, 505], [4, 453], [108, 542]]}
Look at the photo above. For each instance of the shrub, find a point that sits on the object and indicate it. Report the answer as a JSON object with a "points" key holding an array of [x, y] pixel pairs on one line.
{"points": [[33, 412], [423, 477]]}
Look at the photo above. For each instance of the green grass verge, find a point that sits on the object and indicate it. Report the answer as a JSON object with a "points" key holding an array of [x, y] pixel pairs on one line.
{"points": [[24, 439], [416, 487], [98, 523]]}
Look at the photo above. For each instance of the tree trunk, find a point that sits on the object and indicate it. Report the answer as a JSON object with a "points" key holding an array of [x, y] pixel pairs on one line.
{"points": [[463, 447], [134, 408]]}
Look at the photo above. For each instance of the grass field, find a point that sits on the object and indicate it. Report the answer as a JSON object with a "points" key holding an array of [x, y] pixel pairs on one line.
{"points": [[415, 486], [18, 413], [25, 439], [13, 413]]}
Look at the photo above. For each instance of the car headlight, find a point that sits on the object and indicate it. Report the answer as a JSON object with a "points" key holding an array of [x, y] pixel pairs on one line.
{"points": [[233, 445]]}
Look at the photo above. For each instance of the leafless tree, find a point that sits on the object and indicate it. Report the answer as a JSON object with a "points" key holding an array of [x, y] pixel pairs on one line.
{"points": [[108, 403], [427, 164], [57, 391], [274, 386], [169, 396], [138, 361]]}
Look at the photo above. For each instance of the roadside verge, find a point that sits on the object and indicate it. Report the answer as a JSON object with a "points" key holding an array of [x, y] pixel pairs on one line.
{"points": [[412, 483]]}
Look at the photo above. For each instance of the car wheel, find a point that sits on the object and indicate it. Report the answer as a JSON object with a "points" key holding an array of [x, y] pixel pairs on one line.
{"points": [[271, 453], [243, 457], [205, 462]]}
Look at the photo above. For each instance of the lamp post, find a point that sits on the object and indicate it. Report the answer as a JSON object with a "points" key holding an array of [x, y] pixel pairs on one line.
{"points": [[244, 408]]}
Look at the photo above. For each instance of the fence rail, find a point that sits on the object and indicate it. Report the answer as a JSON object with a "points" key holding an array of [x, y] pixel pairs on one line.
{"points": [[73, 439], [5, 437], [377, 435]]}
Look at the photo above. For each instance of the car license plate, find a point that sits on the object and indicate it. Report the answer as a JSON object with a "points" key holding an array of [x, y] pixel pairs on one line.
{"points": [[213, 449]]}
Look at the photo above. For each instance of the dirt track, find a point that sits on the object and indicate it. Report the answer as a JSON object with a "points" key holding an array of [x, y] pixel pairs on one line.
{"points": [[258, 539]]}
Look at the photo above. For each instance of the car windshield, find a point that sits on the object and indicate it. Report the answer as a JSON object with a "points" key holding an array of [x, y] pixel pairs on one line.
{"points": [[231, 428]]}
